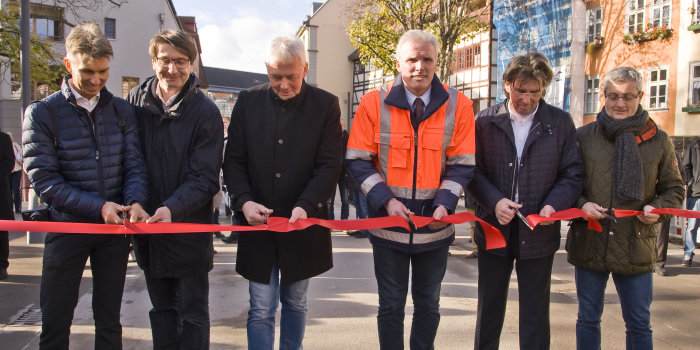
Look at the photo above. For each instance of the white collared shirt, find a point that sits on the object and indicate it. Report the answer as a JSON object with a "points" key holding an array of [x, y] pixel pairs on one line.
{"points": [[88, 104], [412, 98], [521, 128], [166, 104]]}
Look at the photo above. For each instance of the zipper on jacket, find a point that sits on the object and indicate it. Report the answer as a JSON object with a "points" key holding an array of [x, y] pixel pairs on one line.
{"points": [[98, 157], [413, 189]]}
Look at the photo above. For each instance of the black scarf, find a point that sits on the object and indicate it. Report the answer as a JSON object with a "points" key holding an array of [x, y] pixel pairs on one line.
{"points": [[627, 163]]}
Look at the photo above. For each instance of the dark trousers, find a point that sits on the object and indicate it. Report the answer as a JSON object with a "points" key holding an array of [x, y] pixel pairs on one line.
{"points": [[534, 282], [391, 268], [662, 242], [15, 179], [344, 203], [4, 250], [180, 313], [65, 256]]}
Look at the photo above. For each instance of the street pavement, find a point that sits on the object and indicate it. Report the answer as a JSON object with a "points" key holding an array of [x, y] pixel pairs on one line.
{"points": [[343, 302]]}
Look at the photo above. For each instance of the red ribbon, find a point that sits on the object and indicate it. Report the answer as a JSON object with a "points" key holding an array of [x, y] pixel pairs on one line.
{"points": [[494, 238], [593, 224], [567, 214]]}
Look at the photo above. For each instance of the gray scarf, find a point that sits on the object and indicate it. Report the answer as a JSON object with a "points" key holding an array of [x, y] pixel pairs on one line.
{"points": [[627, 164]]}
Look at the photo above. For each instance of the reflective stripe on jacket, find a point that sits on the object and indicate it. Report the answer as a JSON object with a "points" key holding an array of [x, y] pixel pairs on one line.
{"points": [[422, 167]]}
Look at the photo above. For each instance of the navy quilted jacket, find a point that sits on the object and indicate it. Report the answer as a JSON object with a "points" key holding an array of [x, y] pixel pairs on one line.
{"points": [[550, 172], [93, 162]]}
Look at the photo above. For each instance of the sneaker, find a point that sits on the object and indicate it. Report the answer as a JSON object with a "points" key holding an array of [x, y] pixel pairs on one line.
{"points": [[687, 261], [660, 270], [3, 274], [472, 255]]}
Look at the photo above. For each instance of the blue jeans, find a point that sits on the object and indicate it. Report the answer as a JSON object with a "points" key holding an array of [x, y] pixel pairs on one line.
{"points": [[360, 205], [264, 299], [691, 234], [391, 268], [635, 293]]}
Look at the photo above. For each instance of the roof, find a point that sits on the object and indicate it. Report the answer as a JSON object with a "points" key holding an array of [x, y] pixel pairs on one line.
{"points": [[233, 79]]}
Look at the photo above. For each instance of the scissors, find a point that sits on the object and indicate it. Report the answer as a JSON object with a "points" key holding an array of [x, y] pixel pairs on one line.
{"points": [[522, 217], [609, 217], [123, 216], [265, 215]]}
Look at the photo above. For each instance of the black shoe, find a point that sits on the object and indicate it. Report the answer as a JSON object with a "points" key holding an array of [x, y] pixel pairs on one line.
{"points": [[230, 239], [361, 234], [219, 235], [351, 233], [3, 274]]}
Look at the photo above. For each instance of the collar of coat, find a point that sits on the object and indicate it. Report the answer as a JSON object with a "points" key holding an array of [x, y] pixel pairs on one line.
{"points": [[155, 105], [292, 101], [397, 96], [499, 116], [105, 96]]}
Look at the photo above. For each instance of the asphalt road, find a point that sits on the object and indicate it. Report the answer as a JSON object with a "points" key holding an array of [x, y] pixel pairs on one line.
{"points": [[343, 303]]}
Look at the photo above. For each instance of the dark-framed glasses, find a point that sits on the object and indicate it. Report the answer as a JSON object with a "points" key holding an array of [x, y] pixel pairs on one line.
{"points": [[625, 97], [179, 62]]}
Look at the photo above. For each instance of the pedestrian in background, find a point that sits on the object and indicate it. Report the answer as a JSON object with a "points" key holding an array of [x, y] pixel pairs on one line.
{"points": [[342, 183], [629, 164], [16, 176], [182, 136], [83, 159], [527, 162], [282, 159], [411, 149], [7, 162], [691, 164]]}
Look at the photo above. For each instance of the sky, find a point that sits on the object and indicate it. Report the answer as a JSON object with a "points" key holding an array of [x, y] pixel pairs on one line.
{"points": [[234, 33]]}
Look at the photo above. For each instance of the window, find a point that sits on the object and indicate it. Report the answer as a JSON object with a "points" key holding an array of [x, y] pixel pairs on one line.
{"points": [[661, 13], [695, 84], [128, 83], [46, 28], [595, 23], [468, 57], [592, 99], [635, 15], [111, 28], [658, 87]]}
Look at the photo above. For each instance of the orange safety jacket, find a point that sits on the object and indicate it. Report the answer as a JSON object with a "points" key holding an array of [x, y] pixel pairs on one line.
{"points": [[422, 167]]}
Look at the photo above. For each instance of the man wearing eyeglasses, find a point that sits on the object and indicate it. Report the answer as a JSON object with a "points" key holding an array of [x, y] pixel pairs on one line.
{"points": [[527, 162], [182, 137], [629, 164]]}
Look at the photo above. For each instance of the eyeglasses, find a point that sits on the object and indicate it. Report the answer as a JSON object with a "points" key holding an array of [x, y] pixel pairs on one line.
{"points": [[625, 97], [521, 93], [179, 62]]}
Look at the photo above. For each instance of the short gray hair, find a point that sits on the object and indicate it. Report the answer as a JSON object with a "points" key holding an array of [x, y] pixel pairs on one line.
{"points": [[284, 49], [416, 36], [623, 74]]}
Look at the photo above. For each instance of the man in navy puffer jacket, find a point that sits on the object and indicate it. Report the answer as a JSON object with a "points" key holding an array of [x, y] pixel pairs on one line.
{"points": [[83, 158]]}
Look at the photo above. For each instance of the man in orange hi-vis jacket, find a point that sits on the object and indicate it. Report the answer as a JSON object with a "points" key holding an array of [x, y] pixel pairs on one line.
{"points": [[411, 149]]}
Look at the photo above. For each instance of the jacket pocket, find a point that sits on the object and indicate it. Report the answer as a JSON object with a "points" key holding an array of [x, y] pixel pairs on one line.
{"points": [[398, 145], [643, 244]]}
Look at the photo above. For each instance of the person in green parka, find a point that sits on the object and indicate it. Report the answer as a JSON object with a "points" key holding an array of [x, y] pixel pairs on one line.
{"points": [[629, 164]]}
